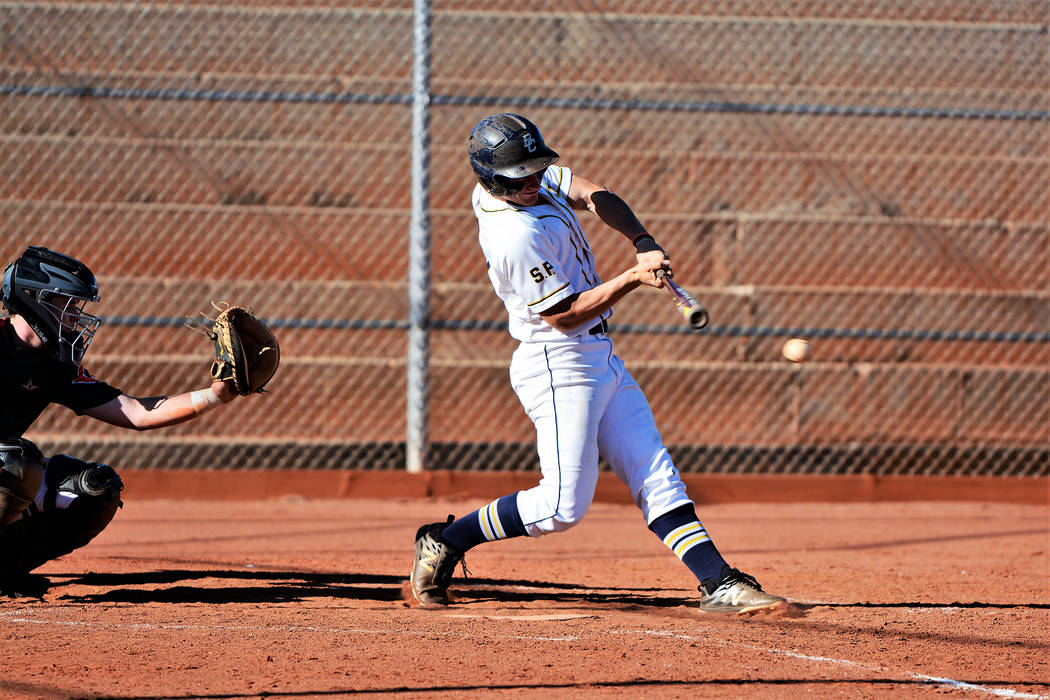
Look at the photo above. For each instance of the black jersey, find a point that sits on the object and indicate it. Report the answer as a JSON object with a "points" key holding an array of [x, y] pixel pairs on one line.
{"points": [[31, 379]]}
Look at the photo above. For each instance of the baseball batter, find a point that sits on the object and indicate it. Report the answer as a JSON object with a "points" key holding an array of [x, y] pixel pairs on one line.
{"points": [[580, 397], [49, 507]]}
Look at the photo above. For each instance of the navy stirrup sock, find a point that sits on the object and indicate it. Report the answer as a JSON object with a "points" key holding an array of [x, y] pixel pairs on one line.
{"points": [[498, 520], [683, 534]]}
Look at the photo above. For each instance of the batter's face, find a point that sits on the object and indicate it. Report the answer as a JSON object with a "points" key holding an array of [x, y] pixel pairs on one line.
{"points": [[529, 194]]}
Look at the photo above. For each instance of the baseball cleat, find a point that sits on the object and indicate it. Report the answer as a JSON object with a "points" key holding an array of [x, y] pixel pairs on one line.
{"points": [[736, 592], [432, 569]]}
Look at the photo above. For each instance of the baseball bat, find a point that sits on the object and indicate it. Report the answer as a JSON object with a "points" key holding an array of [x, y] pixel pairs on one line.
{"points": [[693, 311]]}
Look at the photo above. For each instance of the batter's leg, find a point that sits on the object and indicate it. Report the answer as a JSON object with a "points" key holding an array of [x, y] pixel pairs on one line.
{"points": [[565, 401], [499, 520], [565, 408], [629, 440], [564, 394], [631, 443]]}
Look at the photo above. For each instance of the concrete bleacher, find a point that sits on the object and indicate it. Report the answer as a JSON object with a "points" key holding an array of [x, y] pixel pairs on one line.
{"points": [[925, 213]]}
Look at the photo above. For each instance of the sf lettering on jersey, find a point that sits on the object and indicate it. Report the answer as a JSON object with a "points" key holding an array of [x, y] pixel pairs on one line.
{"points": [[541, 274]]}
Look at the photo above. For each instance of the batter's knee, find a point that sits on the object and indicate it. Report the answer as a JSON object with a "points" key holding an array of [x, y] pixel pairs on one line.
{"points": [[563, 521], [21, 471], [563, 516]]}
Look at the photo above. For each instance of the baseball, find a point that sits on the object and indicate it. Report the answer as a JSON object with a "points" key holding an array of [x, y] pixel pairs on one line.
{"points": [[796, 350]]}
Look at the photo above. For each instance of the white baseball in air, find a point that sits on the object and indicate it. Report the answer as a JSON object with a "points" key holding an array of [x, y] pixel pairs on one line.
{"points": [[796, 350]]}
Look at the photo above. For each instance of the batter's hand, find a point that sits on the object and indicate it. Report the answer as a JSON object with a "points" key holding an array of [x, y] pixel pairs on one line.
{"points": [[655, 257], [647, 267]]}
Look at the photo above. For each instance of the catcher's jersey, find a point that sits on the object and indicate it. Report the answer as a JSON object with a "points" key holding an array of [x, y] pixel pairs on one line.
{"points": [[31, 379], [537, 256]]}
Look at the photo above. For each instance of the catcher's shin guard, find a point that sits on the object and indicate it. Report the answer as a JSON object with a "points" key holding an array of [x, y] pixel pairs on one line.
{"points": [[21, 471], [433, 566], [79, 501]]}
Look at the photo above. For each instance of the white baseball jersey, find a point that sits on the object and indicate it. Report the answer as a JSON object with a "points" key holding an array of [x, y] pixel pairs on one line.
{"points": [[577, 392], [537, 256]]}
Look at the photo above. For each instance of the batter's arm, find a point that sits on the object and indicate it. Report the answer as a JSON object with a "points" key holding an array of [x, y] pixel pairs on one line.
{"points": [[573, 311], [612, 211], [608, 206]]}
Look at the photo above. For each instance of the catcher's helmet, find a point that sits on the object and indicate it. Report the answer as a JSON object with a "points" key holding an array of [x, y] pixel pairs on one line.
{"points": [[506, 147], [50, 290]]}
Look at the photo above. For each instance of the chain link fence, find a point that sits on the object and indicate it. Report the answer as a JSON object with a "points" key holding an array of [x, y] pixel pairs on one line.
{"points": [[872, 176]]}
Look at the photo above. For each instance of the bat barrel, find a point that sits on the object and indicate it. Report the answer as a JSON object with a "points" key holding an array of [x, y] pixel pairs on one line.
{"points": [[695, 314], [698, 318]]}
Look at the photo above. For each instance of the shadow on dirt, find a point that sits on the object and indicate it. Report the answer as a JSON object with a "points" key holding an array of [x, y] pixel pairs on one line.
{"points": [[270, 586], [836, 685], [506, 591], [215, 586], [275, 586]]}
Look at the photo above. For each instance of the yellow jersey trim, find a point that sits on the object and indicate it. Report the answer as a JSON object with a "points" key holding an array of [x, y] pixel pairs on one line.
{"points": [[549, 295]]}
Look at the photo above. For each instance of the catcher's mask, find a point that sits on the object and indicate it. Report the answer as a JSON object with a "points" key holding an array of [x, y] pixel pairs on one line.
{"points": [[50, 291], [506, 148]]}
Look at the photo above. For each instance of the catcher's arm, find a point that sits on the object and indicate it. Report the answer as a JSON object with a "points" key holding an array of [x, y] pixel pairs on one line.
{"points": [[246, 358], [136, 413]]}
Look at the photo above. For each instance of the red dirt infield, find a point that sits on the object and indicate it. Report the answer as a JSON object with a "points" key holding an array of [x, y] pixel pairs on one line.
{"points": [[301, 597]]}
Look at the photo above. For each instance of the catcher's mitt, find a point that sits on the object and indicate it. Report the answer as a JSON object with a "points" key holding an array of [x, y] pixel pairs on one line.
{"points": [[246, 350]]}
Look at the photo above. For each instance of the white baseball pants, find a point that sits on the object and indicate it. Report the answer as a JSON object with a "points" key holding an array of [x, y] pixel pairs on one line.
{"points": [[584, 403]]}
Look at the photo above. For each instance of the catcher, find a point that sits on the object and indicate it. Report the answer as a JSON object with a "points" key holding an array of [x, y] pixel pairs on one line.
{"points": [[49, 507]]}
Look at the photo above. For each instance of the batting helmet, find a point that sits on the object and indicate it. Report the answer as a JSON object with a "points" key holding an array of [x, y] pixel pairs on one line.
{"points": [[506, 147], [50, 290]]}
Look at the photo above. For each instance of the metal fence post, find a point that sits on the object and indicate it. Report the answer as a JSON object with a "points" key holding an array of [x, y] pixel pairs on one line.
{"points": [[419, 246]]}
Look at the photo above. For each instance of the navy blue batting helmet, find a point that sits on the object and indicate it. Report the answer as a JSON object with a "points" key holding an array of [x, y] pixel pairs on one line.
{"points": [[504, 148]]}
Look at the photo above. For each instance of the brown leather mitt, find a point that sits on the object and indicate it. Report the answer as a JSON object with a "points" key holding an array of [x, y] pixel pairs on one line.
{"points": [[246, 350]]}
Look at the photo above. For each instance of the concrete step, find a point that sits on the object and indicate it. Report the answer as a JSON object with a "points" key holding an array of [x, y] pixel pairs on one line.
{"points": [[207, 173], [654, 343], [730, 404], [916, 11], [717, 250], [377, 41], [706, 128]]}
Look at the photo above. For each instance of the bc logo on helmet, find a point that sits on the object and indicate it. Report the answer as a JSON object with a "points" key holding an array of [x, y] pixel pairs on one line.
{"points": [[530, 143]]}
